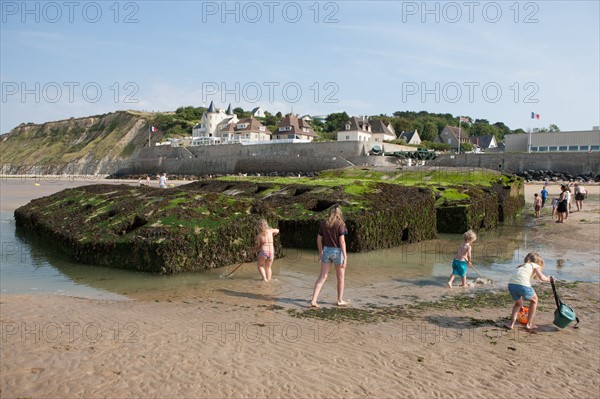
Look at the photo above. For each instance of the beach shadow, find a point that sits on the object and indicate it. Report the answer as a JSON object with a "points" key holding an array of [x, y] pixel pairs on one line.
{"points": [[436, 282], [260, 297], [461, 322]]}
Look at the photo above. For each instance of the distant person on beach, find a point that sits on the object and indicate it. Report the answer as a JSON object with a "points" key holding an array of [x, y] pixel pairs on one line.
{"points": [[544, 194], [554, 206], [569, 200], [562, 205], [537, 205], [331, 242], [162, 181], [266, 254], [580, 195], [462, 258], [148, 180], [519, 287]]}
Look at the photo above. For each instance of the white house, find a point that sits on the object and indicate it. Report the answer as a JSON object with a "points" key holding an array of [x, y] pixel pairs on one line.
{"points": [[363, 129], [411, 138], [484, 142], [258, 112], [213, 119]]}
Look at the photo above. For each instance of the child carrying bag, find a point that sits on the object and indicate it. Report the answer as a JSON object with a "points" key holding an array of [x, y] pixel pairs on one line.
{"points": [[563, 315]]}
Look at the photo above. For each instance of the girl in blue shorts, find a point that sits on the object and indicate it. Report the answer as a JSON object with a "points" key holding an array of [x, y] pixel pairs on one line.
{"points": [[520, 289]]}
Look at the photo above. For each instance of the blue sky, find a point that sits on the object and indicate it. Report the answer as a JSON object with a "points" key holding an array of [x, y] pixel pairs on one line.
{"points": [[498, 61]]}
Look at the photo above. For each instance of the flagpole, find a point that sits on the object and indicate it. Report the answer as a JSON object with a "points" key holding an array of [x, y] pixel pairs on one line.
{"points": [[459, 121], [530, 129]]}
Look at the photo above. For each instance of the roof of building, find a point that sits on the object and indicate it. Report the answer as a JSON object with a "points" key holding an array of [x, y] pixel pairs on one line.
{"points": [[482, 141], [455, 132], [378, 126], [298, 126], [211, 107], [407, 136], [254, 125]]}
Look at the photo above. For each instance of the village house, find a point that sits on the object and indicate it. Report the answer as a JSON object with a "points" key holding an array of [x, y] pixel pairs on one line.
{"points": [[411, 138], [291, 127], [452, 136], [363, 129], [485, 143], [245, 130], [258, 112]]}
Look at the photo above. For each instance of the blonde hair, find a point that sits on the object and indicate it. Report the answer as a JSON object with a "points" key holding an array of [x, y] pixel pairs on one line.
{"points": [[263, 225], [335, 214], [470, 236], [534, 257]]}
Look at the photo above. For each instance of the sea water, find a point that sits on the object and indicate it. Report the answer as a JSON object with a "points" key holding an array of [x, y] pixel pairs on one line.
{"points": [[28, 265]]}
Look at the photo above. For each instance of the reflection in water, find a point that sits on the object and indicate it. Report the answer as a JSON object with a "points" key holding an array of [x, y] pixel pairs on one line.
{"points": [[395, 274]]}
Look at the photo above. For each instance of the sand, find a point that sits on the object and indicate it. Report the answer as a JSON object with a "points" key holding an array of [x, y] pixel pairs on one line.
{"points": [[197, 347]]}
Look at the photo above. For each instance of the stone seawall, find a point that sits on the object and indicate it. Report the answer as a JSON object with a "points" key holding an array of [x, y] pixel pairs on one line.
{"points": [[296, 158], [262, 158]]}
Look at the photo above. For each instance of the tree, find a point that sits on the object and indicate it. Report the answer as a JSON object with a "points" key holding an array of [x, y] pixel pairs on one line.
{"points": [[241, 113], [429, 132], [334, 122]]}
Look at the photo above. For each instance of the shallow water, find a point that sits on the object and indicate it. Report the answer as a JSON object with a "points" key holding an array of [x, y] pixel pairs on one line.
{"points": [[392, 275]]}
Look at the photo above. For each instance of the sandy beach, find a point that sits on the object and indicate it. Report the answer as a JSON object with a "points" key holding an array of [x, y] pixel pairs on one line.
{"points": [[195, 346]]}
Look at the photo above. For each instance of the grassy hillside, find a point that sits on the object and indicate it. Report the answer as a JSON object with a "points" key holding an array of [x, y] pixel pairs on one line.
{"points": [[97, 137]]}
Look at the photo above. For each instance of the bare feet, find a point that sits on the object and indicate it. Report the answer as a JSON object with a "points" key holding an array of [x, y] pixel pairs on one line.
{"points": [[531, 328], [449, 285], [314, 305], [343, 303], [508, 326]]}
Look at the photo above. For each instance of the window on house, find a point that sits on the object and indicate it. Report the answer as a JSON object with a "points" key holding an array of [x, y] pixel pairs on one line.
{"points": [[534, 149], [242, 125], [553, 148], [595, 148], [562, 148], [347, 137], [584, 148], [573, 148]]}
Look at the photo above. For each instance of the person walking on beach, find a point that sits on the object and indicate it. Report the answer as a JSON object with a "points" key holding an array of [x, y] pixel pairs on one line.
{"points": [[580, 195], [162, 181], [266, 254], [519, 287], [331, 242], [537, 205], [544, 194], [462, 258]]}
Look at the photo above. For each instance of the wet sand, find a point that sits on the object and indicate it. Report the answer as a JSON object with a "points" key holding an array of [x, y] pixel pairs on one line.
{"points": [[245, 343]]}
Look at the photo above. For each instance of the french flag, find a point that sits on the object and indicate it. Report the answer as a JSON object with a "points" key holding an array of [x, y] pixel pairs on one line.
{"points": [[535, 116], [154, 130]]}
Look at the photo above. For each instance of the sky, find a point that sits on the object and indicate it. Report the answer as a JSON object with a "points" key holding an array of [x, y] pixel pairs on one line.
{"points": [[498, 61]]}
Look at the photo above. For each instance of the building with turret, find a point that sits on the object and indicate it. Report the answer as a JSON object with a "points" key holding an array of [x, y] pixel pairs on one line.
{"points": [[213, 120]]}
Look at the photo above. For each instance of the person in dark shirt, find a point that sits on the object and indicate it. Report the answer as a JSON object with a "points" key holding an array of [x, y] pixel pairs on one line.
{"points": [[331, 242]]}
